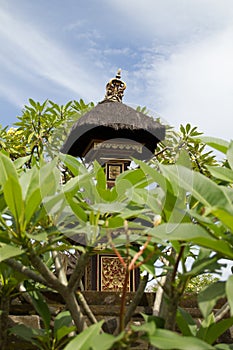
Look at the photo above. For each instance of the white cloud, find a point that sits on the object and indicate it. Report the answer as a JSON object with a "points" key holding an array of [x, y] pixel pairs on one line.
{"points": [[176, 55], [38, 55], [195, 84], [186, 70], [170, 19], [75, 25]]}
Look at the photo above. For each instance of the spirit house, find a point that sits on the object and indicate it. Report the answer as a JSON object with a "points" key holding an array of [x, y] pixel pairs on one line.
{"points": [[112, 133]]}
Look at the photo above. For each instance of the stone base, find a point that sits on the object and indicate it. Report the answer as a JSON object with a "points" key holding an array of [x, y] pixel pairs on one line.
{"points": [[32, 321]]}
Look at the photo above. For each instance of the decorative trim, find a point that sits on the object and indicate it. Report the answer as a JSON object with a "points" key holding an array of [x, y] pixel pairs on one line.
{"points": [[118, 146], [113, 170]]}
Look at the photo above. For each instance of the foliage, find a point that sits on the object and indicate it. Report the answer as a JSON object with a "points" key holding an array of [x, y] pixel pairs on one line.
{"points": [[47, 338], [199, 282], [42, 129], [208, 329], [195, 285], [177, 207], [187, 139]]}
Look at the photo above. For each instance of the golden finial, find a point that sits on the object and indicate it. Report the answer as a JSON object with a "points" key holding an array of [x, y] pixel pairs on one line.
{"points": [[115, 88], [118, 75]]}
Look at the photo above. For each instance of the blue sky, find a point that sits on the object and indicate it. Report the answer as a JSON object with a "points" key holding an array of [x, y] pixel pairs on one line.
{"points": [[176, 56]]}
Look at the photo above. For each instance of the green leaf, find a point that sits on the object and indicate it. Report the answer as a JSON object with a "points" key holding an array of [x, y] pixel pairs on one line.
{"points": [[62, 319], [229, 292], [186, 323], [134, 178], [184, 159], [223, 347], [115, 222], [55, 204], [201, 187], [7, 169], [150, 325], [49, 178], [216, 143], [3, 204], [150, 255], [71, 162], [215, 330], [76, 207], [225, 216], [19, 162], [84, 340], [40, 305], [40, 237], [108, 195], [230, 154], [63, 331], [203, 262], [213, 196], [208, 297], [221, 173], [28, 333], [182, 129], [182, 232], [155, 175], [13, 197], [190, 232], [83, 187], [72, 186], [28, 180], [100, 176], [31, 192], [103, 208], [205, 324], [105, 341], [32, 204], [188, 127], [30, 136], [167, 340], [32, 103], [8, 251]]}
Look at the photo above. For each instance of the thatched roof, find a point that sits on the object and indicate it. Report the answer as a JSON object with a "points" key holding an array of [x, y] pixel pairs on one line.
{"points": [[110, 120]]}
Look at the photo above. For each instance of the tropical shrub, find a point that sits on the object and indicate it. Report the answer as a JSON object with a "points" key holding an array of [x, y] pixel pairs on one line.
{"points": [[178, 209]]}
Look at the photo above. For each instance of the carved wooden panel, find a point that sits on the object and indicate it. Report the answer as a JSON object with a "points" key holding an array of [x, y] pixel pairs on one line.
{"points": [[112, 274], [106, 273]]}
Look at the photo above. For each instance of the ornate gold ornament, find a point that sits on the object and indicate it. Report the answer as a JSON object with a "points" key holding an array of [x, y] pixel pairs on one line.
{"points": [[115, 88]]}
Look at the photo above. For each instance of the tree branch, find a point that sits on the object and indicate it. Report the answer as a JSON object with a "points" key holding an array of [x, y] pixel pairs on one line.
{"points": [[136, 299], [222, 312], [159, 296], [76, 276], [59, 267], [75, 311], [67, 294], [50, 278], [16, 265], [86, 308]]}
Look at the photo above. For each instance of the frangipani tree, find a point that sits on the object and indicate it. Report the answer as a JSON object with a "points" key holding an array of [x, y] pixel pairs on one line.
{"points": [[170, 206]]}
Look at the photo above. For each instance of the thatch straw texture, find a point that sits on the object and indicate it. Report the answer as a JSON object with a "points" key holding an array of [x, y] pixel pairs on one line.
{"points": [[109, 120]]}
